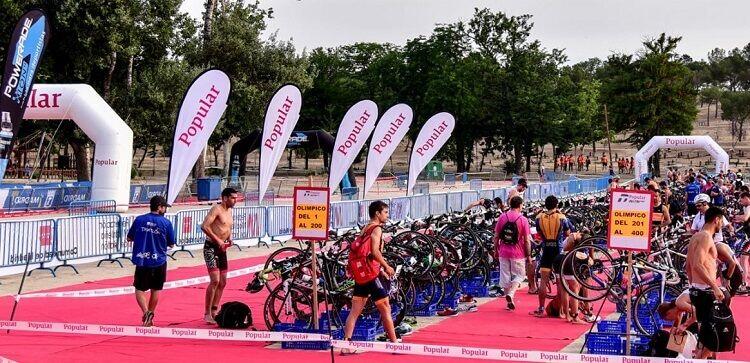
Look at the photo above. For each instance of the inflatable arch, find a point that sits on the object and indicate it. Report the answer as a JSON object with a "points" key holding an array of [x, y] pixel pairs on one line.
{"points": [[113, 139], [680, 142]]}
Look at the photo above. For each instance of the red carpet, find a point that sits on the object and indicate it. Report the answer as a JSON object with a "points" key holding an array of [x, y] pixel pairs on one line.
{"points": [[490, 327]]}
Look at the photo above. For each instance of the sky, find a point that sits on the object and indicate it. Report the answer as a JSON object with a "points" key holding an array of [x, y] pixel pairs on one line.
{"points": [[584, 28]]}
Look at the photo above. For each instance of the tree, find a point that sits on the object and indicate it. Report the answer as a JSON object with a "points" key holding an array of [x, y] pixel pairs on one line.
{"points": [[651, 95], [710, 95], [735, 107]]}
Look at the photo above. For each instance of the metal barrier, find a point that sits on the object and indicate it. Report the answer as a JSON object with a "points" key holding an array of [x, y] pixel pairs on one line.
{"points": [[92, 207], [420, 206], [400, 208], [89, 236], [468, 198], [475, 184], [104, 235], [27, 241], [278, 221], [502, 194], [454, 201], [438, 203], [188, 229], [344, 214]]}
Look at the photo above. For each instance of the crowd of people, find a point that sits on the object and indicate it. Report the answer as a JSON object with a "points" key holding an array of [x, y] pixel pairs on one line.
{"points": [[712, 209], [581, 162]]}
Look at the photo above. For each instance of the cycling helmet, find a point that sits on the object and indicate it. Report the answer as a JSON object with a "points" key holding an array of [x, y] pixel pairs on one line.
{"points": [[255, 285], [702, 198]]}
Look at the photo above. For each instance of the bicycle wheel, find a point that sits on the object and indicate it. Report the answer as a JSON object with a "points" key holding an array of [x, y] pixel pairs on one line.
{"points": [[647, 319], [290, 305], [281, 263], [588, 272]]}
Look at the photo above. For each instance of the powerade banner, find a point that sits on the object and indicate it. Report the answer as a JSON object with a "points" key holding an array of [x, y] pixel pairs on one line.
{"points": [[353, 132], [201, 109], [434, 134], [25, 49], [391, 129], [281, 117]]}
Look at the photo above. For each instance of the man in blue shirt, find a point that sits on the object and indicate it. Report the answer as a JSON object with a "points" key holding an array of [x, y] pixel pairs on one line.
{"points": [[150, 234], [692, 190]]}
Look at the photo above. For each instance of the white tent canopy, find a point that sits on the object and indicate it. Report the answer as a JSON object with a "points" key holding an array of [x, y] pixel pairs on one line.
{"points": [[680, 142], [113, 139]]}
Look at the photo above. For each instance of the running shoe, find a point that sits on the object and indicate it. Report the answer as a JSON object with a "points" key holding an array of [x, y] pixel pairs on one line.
{"points": [[447, 312], [497, 291], [591, 318], [511, 304], [403, 329], [411, 320], [539, 313], [384, 337], [148, 319]]}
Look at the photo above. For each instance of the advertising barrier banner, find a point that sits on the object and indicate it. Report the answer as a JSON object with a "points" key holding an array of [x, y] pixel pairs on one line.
{"points": [[392, 127], [282, 114], [354, 131], [25, 50], [434, 134], [200, 111]]}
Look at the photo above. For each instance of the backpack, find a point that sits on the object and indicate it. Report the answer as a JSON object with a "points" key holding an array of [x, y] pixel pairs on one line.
{"points": [[509, 232], [549, 226], [234, 315], [361, 265], [719, 334]]}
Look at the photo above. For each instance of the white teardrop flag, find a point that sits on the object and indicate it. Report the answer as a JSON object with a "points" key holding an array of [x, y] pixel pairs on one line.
{"points": [[434, 134], [354, 130], [282, 115], [391, 129], [201, 109]]}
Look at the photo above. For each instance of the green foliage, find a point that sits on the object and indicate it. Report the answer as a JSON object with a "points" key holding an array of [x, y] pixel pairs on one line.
{"points": [[735, 106]]}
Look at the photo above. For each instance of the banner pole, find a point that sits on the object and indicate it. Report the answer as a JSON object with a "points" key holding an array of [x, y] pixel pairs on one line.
{"points": [[20, 287], [628, 303]]}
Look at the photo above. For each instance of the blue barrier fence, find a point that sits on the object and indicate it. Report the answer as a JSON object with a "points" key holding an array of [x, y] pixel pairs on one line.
{"points": [[104, 235]]}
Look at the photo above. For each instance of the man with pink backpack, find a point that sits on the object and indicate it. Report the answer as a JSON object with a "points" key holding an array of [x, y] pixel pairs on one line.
{"points": [[371, 273]]}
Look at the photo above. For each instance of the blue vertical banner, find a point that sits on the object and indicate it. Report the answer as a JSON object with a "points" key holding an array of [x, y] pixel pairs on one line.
{"points": [[25, 50]]}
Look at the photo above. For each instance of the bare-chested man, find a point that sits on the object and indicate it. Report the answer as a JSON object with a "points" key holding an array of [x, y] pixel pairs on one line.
{"points": [[218, 229], [701, 270]]}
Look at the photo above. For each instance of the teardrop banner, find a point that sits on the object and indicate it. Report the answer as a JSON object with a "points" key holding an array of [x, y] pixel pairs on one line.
{"points": [[434, 134], [200, 111], [391, 129], [25, 50], [282, 115], [354, 131]]}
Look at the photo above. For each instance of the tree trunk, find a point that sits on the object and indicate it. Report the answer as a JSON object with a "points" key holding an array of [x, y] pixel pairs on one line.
{"points": [[460, 156], [307, 159], [143, 157], [110, 73], [708, 113], [716, 109], [199, 170], [216, 156], [81, 155], [208, 15], [657, 167], [517, 159], [129, 80]]}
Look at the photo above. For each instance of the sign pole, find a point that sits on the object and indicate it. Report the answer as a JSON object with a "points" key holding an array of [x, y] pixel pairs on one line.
{"points": [[314, 275], [310, 221], [629, 313], [609, 142]]}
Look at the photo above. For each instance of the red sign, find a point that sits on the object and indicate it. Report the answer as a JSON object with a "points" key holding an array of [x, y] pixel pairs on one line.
{"points": [[45, 236]]}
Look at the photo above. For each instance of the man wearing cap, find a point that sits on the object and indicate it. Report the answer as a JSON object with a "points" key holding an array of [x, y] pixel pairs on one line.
{"points": [[150, 234]]}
